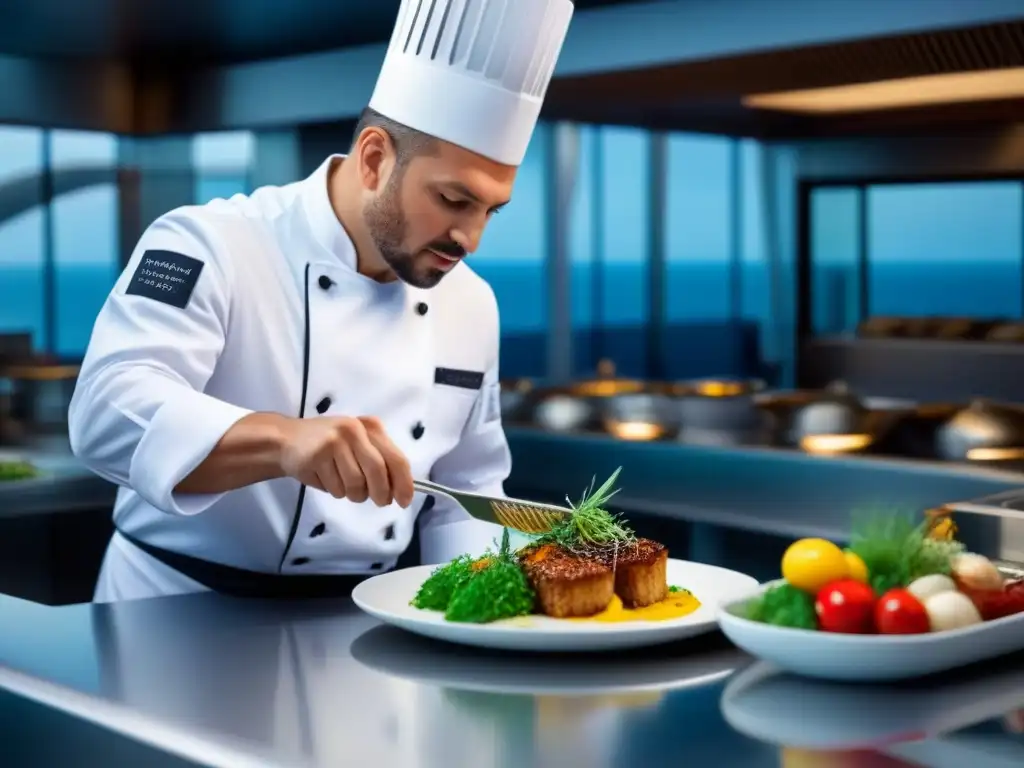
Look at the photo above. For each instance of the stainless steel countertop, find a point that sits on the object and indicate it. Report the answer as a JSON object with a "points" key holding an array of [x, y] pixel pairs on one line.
{"points": [[225, 682]]}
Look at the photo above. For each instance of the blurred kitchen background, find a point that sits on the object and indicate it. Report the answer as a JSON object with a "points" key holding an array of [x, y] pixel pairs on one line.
{"points": [[766, 255]]}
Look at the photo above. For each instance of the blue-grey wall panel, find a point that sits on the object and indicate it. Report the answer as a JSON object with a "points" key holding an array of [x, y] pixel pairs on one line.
{"points": [[79, 95]]}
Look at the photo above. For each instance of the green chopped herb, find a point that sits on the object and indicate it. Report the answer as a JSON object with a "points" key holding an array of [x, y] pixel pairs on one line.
{"points": [[785, 606], [17, 470], [498, 591], [478, 590], [436, 592], [680, 590]]}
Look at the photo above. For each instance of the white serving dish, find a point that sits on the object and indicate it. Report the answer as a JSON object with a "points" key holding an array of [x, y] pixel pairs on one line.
{"points": [[867, 658]]}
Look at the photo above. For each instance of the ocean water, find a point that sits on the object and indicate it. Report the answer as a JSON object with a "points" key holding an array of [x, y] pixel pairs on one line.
{"points": [[696, 293], [81, 291]]}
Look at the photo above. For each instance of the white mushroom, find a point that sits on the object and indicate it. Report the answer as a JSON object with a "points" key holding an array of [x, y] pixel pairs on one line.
{"points": [[950, 610], [926, 586]]}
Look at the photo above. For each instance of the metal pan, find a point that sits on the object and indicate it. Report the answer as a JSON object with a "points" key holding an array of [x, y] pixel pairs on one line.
{"points": [[828, 421], [984, 431]]}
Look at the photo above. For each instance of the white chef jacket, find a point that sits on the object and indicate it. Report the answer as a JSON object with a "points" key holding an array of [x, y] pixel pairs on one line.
{"points": [[254, 304]]}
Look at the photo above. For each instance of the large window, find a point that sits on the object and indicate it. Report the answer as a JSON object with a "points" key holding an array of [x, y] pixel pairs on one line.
{"points": [[222, 163], [22, 250], [585, 276], [835, 273], [624, 248], [512, 259], [948, 249], [717, 295], [58, 262], [609, 249], [718, 285], [86, 249], [945, 249], [755, 287], [698, 229]]}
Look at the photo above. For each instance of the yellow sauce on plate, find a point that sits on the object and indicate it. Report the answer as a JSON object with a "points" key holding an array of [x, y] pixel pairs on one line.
{"points": [[675, 606]]}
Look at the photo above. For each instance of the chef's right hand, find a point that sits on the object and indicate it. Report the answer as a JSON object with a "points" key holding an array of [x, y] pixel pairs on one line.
{"points": [[349, 458]]}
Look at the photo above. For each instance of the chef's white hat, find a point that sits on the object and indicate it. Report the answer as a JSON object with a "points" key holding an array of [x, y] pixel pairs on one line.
{"points": [[472, 72]]}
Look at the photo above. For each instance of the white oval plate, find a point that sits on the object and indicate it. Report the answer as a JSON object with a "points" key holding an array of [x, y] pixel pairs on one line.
{"points": [[868, 658], [386, 597]]}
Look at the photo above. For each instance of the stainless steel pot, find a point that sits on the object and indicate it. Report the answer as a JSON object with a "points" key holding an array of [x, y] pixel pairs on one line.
{"points": [[718, 411], [579, 406], [832, 420], [639, 416], [560, 411], [984, 431]]}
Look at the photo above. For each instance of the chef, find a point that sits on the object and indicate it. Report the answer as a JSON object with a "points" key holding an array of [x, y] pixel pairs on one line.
{"points": [[271, 372]]}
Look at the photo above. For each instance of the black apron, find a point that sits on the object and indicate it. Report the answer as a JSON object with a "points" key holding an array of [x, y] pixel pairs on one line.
{"points": [[239, 582]]}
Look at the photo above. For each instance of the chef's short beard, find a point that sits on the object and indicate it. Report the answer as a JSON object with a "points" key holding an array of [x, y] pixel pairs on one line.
{"points": [[386, 224]]}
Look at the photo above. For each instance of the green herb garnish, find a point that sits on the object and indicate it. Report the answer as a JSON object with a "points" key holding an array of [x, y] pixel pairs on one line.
{"points": [[499, 591], [478, 590], [436, 592], [590, 526], [680, 590], [897, 551], [784, 606], [494, 586], [17, 470]]}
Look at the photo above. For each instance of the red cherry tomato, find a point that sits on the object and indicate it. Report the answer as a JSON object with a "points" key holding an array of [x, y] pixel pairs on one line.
{"points": [[846, 606], [900, 613]]}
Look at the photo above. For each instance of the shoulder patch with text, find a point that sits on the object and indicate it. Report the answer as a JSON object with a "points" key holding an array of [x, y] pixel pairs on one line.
{"points": [[166, 276]]}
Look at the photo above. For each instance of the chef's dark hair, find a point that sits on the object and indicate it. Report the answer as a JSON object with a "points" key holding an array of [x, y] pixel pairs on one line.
{"points": [[408, 142]]}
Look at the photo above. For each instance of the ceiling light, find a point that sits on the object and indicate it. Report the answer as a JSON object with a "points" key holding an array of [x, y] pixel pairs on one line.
{"points": [[953, 88]]}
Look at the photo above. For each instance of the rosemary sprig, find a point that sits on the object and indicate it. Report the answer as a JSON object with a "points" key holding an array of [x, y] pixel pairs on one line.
{"points": [[505, 550], [591, 525]]}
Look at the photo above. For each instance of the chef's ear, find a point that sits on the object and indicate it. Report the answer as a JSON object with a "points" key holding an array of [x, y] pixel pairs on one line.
{"points": [[375, 154]]}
